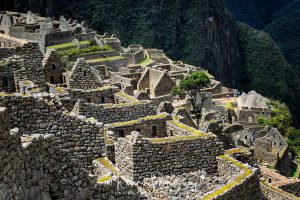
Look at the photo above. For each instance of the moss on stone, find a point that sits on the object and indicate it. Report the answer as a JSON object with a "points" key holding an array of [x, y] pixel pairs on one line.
{"points": [[107, 140], [151, 117], [278, 190], [126, 96], [176, 138], [104, 178], [232, 151], [230, 185], [108, 166], [186, 128], [60, 90], [124, 123], [26, 83]]}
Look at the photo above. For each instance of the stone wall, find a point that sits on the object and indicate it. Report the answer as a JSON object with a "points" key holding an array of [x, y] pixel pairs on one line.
{"points": [[150, 126], [112, 65], [110, 113], [293, 188], [274, 193], [82, 76], [245, 184], [31, 59], [139, 158], [75, 134], [7, 81]]}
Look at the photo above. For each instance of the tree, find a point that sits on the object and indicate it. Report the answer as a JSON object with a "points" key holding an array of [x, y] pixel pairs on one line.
{"points": [[192, 86]]}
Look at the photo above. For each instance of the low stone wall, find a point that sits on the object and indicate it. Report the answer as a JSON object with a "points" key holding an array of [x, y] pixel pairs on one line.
{"points": [[110, 113], [158, 100], [274, 193], [121, 97], [116, 188], [69, 97], [74, 134], [139, 158], [244, 186], [150, 126], [293, 188]]}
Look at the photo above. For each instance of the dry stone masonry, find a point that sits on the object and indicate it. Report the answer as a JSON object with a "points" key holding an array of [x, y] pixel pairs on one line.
{"points": [[84, 118]]}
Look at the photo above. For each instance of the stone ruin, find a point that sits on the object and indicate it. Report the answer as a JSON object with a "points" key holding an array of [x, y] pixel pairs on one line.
{"points": [[103, 124]]}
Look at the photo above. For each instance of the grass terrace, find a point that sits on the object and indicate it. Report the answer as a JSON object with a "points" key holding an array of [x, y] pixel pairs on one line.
{"points": [[105, 59], [230, 185], [67, 45], [146, 61]]}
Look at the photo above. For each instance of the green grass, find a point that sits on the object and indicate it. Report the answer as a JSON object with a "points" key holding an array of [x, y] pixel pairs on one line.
{"points": [[86, 50], [105, 59], [236, 181], [146, 61], [295, 172], [66, 45]]}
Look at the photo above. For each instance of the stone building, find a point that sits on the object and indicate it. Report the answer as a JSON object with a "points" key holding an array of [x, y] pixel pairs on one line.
{"points": [[83, 77], [156, 83], [53, 67], [272, 150]]}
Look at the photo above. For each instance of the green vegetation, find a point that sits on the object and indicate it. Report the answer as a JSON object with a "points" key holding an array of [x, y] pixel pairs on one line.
{"points": [[105, 59], [192, 86], [236, 181], [89, 49], [147, 118], [281, 118], [146, 61], [266, 71], [67, 45]]}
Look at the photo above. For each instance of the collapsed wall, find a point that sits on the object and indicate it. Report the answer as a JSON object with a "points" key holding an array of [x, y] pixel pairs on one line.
{"points": [[110, 113], [33, 115]]}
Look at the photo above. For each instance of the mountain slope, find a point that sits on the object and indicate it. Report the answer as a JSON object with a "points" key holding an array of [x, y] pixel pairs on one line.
{"points": [[285, 30], [266, 70], [256, 13]]}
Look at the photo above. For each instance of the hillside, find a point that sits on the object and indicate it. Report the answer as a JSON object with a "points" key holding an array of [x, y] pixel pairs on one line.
{"points": [[284, 29], [256, 13], [200, 33], [265, 69]]}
